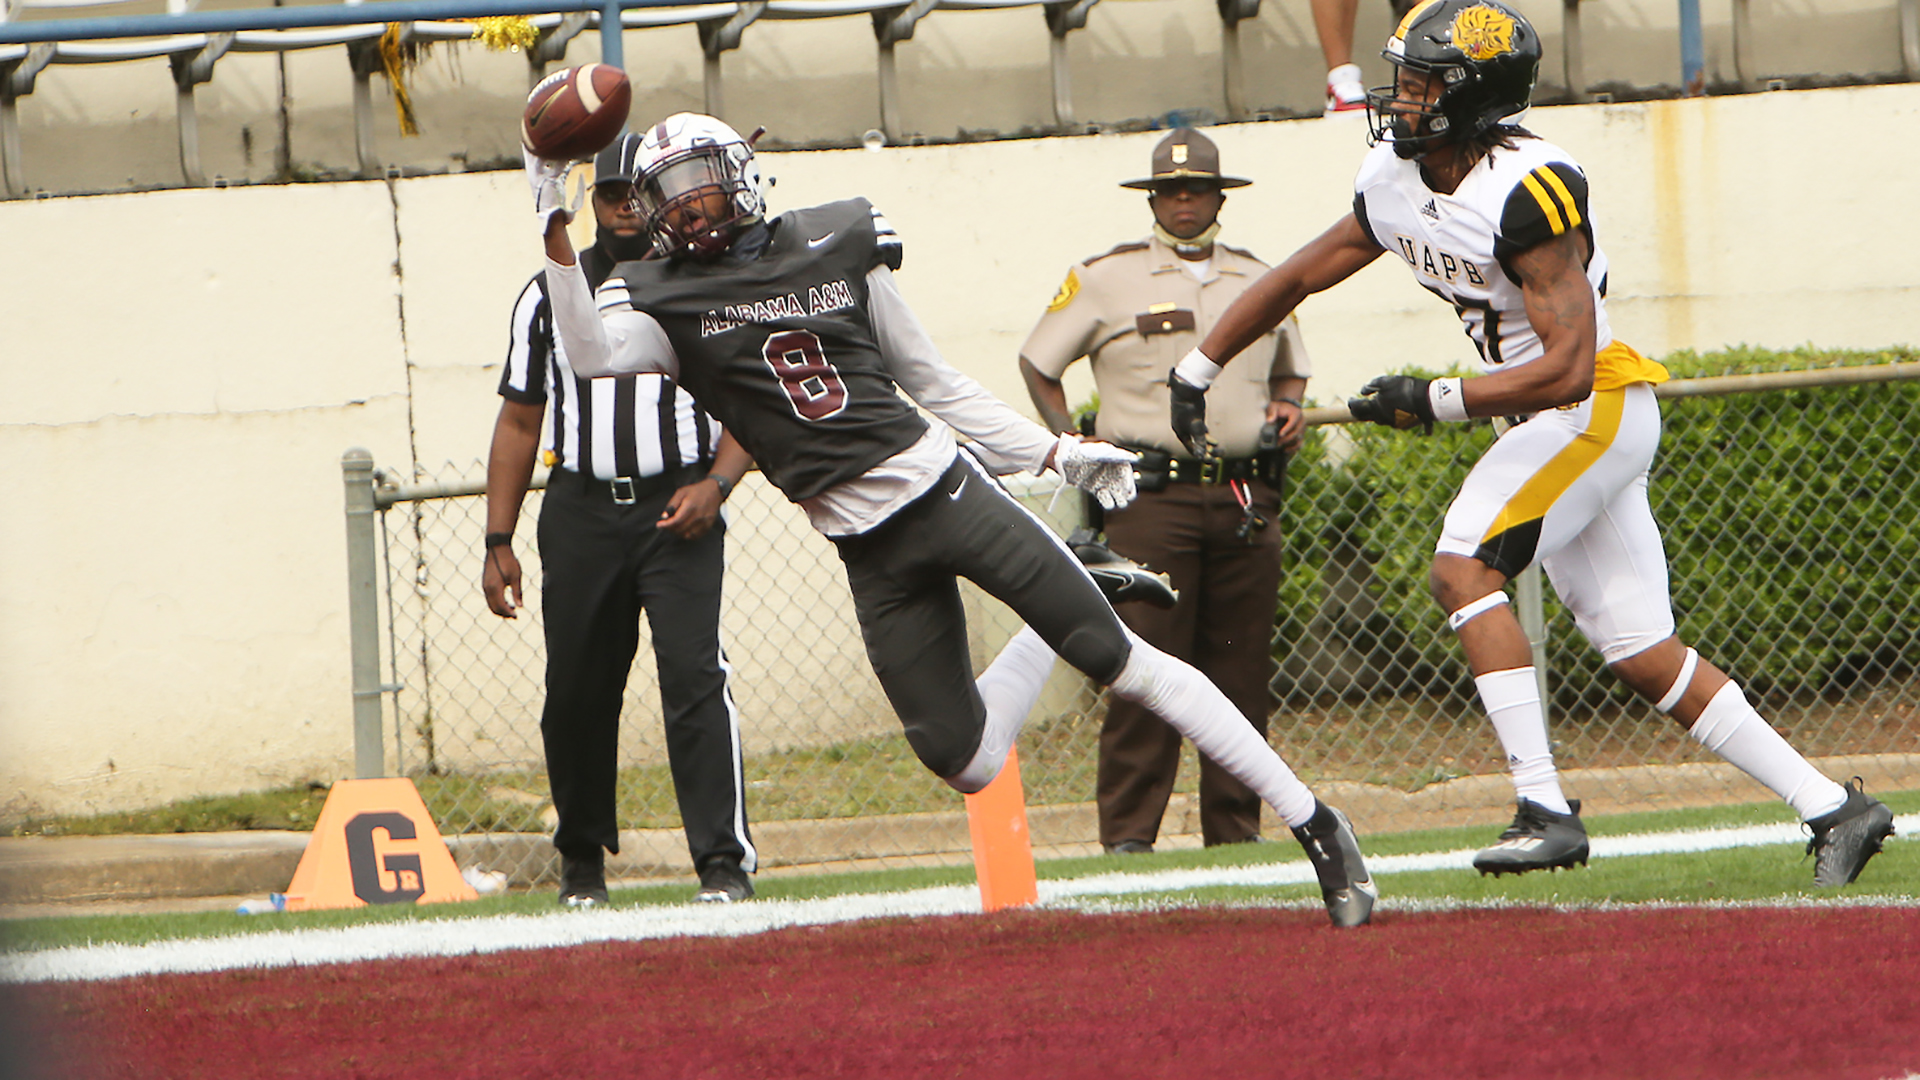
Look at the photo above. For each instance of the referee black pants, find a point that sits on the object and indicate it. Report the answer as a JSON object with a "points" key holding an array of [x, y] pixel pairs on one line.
{"points": [[604, 563]]}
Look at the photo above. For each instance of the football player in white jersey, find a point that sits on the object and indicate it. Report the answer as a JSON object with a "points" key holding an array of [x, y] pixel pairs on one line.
{"points": [[1494, 220]]}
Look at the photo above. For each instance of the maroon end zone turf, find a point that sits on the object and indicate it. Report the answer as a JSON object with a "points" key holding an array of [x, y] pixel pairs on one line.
{"points": [[1531, 994]]}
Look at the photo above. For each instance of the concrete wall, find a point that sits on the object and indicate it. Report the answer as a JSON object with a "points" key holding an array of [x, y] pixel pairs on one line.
{"points": [[965, 74], [188, 366]]}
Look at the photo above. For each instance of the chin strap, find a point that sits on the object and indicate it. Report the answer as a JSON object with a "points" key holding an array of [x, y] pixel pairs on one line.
{"points": [[1190, 245]]}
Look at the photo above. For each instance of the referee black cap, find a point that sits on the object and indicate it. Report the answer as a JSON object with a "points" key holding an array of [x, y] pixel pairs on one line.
{"points": [[620, 161]]}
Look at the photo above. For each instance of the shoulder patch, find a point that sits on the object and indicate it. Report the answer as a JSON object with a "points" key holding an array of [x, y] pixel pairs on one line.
{"points": [[1121, 249], [1069, 289]]}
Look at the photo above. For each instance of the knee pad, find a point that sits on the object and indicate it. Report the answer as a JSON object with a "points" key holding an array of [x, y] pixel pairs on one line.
{"points": [[1475, 608], [1098, 652]]}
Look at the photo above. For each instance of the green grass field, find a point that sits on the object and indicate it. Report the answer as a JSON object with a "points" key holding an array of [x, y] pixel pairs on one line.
{"points": [[1768, 873]]}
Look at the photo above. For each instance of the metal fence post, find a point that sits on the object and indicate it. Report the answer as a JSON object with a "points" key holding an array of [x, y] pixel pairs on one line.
{"points": [[363, 613], [1533, 622]]}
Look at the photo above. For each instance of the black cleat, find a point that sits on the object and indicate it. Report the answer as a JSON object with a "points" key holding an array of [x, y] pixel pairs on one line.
{"points": [[1335, 854], [583, 879], [1845, 839], [723, 882], [1120, 579], [1538, 839]]}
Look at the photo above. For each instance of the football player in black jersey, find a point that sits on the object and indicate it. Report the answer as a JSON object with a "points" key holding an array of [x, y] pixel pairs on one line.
{"points": [[791, 331], [1495, 220]]}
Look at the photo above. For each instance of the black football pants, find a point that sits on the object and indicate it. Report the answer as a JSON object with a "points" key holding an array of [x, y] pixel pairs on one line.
{"points": [[906, 594], [604, 563]]}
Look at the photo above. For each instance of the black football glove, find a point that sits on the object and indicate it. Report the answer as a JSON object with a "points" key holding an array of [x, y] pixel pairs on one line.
{"points": [[1395, 401], [1189, 408]]}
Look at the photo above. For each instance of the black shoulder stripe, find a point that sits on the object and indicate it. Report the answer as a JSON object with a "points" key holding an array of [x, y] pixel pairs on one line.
{"points": [[1360, 215], [1138, 245]]}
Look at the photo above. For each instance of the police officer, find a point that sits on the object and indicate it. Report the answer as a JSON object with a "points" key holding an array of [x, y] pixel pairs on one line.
{"points": [[1205, 523], [630, 522]]}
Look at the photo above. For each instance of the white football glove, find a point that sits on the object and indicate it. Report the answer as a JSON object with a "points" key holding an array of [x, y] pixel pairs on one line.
{"points": [[548, 179], [1100, 469]]}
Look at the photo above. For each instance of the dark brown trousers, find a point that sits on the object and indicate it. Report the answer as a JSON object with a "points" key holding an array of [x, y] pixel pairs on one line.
{"points": [[1223, 626]]}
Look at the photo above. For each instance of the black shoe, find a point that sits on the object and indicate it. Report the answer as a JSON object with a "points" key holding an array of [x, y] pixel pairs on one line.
{"points": [[1121, 580], [1130, 847], [1335, 853], [1845, 839], [1538, 839], [723, 882], [583, 879]]}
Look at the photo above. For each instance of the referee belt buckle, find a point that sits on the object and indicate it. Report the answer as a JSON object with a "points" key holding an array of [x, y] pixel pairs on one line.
{"points": [[1212, 469], [622, 488]]}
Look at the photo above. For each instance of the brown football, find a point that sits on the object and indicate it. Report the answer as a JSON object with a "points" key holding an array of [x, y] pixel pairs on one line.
{"points": [[573, 114]]}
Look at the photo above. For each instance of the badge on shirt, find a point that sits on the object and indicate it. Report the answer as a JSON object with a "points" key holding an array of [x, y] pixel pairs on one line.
{"points": [[1069, 289]]}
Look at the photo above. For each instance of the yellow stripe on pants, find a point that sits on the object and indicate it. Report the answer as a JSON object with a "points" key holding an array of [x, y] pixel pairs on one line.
{"points": [[1545, 487]]}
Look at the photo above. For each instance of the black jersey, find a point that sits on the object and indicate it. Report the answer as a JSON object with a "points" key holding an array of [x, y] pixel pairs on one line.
{"points": [[781, 348]]}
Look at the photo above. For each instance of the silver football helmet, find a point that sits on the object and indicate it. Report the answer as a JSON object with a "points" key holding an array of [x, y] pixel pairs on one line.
{"points": [[698, 185]]}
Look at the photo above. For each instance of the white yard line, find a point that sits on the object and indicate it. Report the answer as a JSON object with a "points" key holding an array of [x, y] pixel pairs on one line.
{"points": [[465, 937]]}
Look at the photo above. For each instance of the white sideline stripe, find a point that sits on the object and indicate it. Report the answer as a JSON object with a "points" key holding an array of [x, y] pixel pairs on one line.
{"points": [[1300, 873], [503, 933]]}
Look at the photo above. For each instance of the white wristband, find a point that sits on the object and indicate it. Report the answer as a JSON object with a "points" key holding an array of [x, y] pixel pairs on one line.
{"points": [[1197, 370], [1447, 399]]}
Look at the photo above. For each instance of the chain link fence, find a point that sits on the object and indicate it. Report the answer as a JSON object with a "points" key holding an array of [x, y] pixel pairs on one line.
{"points": [[1789, 517]]}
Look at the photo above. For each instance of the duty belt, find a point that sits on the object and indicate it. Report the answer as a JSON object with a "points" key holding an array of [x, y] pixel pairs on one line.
{"points": [[624, 490], [1155, 463]]}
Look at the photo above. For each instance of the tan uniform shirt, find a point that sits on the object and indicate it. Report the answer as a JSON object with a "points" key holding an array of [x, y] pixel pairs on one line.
{"points": [[1135, 312]]}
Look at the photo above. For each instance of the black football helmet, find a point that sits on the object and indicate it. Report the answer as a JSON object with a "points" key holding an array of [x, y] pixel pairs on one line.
{"points": [[1486, 56]]}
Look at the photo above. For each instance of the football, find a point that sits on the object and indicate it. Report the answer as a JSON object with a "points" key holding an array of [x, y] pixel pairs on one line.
{"points": [[572, 114]]}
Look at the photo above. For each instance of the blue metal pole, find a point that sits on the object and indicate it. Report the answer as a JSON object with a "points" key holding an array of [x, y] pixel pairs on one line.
{"points": [[292, 18], [610, 35], [1693, 52]]}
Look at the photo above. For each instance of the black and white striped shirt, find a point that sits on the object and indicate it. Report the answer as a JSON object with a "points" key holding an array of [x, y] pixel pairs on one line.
{"points": [[618, 426]]}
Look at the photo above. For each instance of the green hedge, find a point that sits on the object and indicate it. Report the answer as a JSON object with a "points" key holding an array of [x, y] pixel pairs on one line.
{"points": [[1789, 518]]}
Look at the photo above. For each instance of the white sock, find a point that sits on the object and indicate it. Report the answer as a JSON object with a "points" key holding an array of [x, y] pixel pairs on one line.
{"points": [[1009, 687], [1512, 701], [1198, 710], [1730, 727]]}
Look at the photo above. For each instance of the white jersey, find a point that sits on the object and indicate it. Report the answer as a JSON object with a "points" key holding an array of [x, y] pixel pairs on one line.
{"points": [[1458, 245]]}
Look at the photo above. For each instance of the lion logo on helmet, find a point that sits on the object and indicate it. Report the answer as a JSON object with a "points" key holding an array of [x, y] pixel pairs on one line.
{"points": [[1482, 32]]}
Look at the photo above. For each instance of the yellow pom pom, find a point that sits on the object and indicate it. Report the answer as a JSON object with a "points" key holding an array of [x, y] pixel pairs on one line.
{"points": [[505, 33]]}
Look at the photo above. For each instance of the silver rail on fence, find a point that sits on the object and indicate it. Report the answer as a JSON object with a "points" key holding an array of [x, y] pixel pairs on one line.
{"points": [[1373, 703], [195, 41]]}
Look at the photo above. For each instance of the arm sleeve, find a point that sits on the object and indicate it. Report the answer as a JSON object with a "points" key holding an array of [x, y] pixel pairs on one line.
{"points": [[605, 335], [1547, 202], [523, 378], [1010, 440]]}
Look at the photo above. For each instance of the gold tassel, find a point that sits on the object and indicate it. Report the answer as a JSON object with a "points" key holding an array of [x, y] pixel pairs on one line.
{"points": [[505, 33], [399, 57]]}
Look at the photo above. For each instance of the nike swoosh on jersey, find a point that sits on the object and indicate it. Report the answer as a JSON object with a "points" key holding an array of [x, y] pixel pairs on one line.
{"points": [[817, 242], [955, 493]]}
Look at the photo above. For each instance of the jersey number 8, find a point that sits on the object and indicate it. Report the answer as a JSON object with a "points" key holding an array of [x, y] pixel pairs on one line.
{"points": [[801, 365]]}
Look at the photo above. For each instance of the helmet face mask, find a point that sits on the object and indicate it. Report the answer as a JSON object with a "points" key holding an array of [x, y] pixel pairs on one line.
{"points": [[699, 186], [1485, 57]]}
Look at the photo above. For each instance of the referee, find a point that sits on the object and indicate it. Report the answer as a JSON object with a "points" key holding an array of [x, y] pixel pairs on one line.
{"points": [[630, 523]]}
